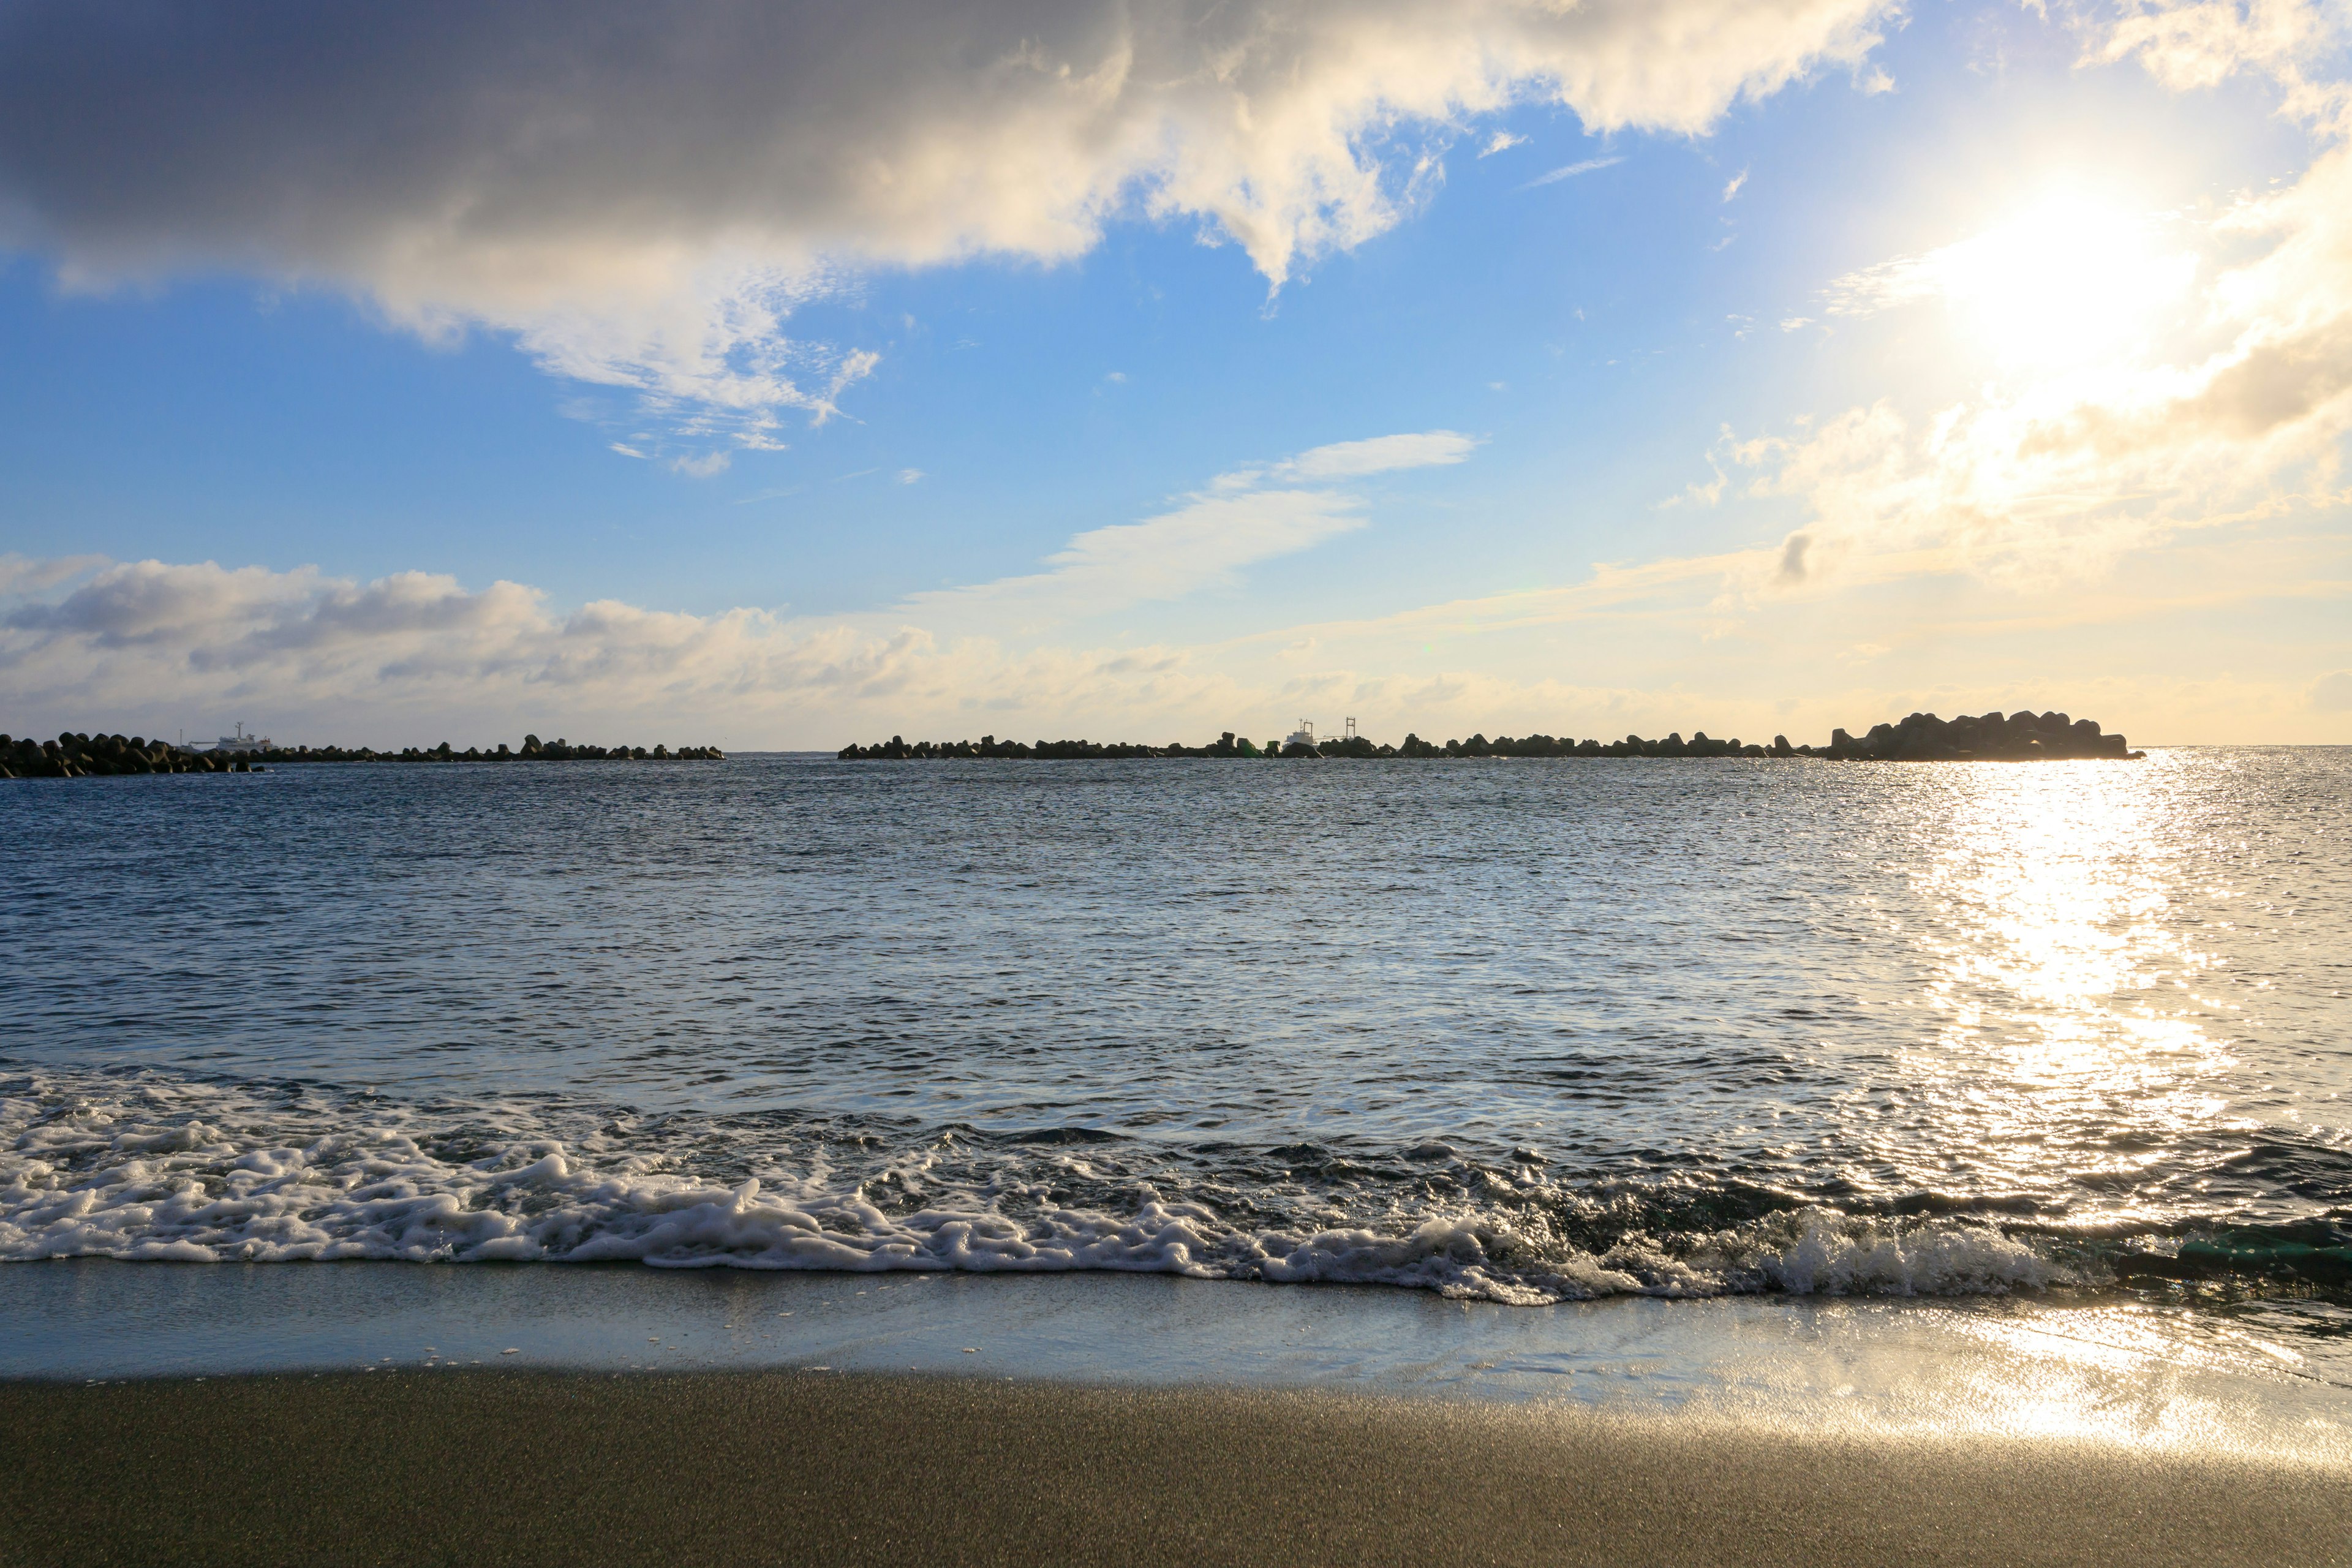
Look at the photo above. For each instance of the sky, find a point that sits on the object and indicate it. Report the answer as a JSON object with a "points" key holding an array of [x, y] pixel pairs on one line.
{"points": [[785, 376]]}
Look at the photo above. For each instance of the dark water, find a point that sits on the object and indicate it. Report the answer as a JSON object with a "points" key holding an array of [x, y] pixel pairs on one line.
{"points": [[1526, 1030]]}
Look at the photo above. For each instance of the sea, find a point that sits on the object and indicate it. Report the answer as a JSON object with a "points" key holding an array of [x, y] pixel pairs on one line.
{"points": [[1521, 1034]]}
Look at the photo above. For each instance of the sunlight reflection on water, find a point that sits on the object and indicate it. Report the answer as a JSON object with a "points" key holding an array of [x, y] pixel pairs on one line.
{"points": [[2062, 972]]}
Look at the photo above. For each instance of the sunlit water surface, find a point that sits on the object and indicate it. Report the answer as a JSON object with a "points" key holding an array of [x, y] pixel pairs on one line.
{"points": [[1519, 1030]]}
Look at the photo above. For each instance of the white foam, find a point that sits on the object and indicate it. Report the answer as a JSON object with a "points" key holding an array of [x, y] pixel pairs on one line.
{"points": [[172, 1171]]}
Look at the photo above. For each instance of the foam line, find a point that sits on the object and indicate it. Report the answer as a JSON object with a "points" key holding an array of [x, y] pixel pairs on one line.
{"points": [[184, 1171]]}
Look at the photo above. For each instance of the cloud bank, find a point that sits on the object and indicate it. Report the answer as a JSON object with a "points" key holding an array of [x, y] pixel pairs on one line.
{"points": [[86, 636], [151, 635], [146, 647], [643, 190]]}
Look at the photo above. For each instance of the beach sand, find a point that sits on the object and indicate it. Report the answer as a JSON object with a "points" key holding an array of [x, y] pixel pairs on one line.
{"points": [[498, 1467]]}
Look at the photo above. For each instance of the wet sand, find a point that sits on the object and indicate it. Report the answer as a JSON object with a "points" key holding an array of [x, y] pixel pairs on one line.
{"points": [[495, 1467]]}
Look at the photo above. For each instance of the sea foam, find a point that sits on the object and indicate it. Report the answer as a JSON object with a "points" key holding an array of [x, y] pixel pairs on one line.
{"points": [[161, 1169]]}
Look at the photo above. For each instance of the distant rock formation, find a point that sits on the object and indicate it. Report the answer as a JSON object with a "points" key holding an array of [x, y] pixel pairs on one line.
{"points": [[1920, 738], [77, 756], [2020, 736]]}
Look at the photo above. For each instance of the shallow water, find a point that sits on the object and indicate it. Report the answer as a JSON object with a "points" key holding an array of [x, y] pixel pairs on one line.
{"points": [[2131, 1373], [1519, 1030]]}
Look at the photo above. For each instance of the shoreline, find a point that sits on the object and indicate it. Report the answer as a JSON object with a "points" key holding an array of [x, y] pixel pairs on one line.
{"points": [[2129, 1375], [724, 1467]]}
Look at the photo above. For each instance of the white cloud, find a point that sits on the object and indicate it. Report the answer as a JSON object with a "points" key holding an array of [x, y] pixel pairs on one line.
{"points": [[1731, 186], [147, 636], [1381, 455], [644, 198], [1571, 171], [1202, 543], [910, 476], [1245, 517], [1699, 495], [2188, 45], [24, 574], [1501, 141]]}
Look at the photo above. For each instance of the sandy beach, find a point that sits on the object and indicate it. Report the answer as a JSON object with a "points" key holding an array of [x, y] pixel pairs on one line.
{"points": [[458, 1466]]}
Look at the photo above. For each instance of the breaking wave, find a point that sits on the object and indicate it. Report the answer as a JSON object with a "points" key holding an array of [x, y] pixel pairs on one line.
{"points": [[155, 1168]]}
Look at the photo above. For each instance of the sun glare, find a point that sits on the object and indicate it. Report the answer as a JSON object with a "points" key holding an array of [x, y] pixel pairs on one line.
{"points": [[2065, 283]]}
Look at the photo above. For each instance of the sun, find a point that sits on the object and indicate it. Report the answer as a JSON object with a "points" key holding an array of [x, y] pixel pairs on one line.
{"points": [[2064, 283]]}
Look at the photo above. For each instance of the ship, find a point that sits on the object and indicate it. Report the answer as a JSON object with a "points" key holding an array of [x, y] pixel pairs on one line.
{"points": [[241, 742]]}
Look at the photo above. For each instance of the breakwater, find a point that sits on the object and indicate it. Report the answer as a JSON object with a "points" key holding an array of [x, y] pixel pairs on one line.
{"points": [[75, 755], [2023, 736]]}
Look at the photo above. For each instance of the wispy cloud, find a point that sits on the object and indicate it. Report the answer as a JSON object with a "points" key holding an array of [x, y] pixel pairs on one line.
{"points": [[1202, 543], [1380, 455], [1571, 171], [1246, 516], [1501, 141]]}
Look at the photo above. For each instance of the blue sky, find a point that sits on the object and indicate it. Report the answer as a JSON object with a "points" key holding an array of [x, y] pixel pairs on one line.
{"points": [[1873, 360]]}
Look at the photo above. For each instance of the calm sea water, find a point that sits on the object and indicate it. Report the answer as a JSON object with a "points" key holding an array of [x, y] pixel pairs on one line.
{"points": [[1524, 1030]]}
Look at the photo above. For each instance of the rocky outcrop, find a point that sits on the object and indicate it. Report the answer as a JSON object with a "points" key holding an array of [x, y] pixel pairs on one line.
{"points": [[1920, 738], [76, 755], [2019, 737], [73, 756]]}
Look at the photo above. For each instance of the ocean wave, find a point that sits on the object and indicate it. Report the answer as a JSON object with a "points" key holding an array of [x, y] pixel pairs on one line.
{"points": [[157, 1170]]}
